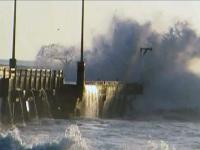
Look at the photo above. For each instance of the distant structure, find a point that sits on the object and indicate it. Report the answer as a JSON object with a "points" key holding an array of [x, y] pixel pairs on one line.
{"points": [[143, 51]]}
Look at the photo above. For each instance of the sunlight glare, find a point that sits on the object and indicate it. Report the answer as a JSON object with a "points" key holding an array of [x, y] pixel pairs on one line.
{"points": [[193, 66]]}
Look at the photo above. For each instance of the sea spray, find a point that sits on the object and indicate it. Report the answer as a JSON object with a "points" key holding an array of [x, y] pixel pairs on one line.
{"points": [[168, 83], [91, 101], [11, 139], [25, 138], [74, 134]]}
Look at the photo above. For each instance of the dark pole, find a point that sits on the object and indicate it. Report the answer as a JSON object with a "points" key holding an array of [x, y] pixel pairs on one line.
{"points": [[82, 31], [81, 64], [14, 31], [13, 60]]}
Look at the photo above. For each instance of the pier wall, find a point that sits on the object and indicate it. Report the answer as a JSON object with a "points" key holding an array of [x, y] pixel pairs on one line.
{"points": [[108, 99], [28, 93]]}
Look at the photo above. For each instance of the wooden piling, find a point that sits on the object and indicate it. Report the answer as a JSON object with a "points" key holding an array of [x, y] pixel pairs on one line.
{"points": [[20, 78], [44, 79], [25, 80], [30, 80], [14, 81], [40, 80], [35, 80], [4, 73], [53, 80], [49, 80]]}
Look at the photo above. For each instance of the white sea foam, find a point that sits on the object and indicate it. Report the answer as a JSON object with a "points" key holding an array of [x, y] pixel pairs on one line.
{"points": [[73, 133], [42, 137], [159, 145], [90, 134]]}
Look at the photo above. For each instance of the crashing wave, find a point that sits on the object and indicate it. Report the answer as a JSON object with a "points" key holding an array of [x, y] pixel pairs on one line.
{"points": [[13, 140]]}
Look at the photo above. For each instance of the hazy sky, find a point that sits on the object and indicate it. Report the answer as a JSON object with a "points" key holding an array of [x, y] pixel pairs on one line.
{"points": [[46, 22]]}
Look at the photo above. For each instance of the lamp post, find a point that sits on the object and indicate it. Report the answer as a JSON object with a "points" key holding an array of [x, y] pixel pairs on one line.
{"points": [[12, 61], [81, 64]]}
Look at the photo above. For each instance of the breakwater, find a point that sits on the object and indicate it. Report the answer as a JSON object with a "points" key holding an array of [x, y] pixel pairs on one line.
{"points": [[27, 93], [36, 93]]}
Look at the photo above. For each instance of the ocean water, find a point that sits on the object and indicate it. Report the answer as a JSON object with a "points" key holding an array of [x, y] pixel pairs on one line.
{"points": [[100, 134]]}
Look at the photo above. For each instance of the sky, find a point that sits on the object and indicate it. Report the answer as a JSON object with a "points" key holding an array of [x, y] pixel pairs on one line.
{"points": [[46, 22]]}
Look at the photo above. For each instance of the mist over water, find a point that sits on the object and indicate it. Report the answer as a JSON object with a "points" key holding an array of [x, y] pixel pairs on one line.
{"points": [[168, 83]]}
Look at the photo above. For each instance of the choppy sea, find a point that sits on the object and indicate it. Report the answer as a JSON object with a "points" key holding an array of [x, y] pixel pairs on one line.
{"points": [[99, 134]]}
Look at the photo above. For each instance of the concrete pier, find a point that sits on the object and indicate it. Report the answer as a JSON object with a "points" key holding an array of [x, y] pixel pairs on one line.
{"points": [[27, 93], [37, 93]]}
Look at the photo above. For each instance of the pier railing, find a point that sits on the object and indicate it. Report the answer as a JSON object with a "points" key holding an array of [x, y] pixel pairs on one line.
{"points": [[33, 78], [26, 92], [127, 88], [102, 82]]}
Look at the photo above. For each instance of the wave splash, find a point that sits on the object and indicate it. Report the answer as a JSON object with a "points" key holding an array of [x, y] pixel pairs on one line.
{"points": [[169, 84], [13, 139]]}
